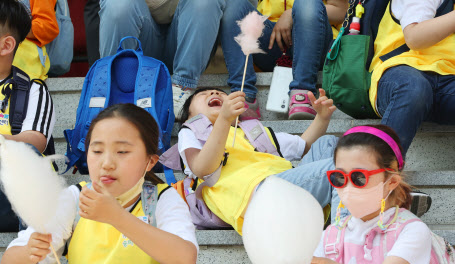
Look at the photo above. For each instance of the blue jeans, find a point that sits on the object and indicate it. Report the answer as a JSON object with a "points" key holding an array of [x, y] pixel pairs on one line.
{"points": [[311, 37], [184, 45], [9, 221], [407, 97], [311, 174]]}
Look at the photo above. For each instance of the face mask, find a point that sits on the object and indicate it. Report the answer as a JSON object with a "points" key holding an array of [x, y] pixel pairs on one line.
{"points": [[360, 201], [126, 197]]}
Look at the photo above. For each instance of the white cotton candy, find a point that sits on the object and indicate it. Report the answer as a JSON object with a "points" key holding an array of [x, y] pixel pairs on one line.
{"points": [[283, 224], [30, 183], [251, 27]]}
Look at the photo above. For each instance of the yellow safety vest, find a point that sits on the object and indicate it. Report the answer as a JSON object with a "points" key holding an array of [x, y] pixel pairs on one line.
{"points": [[244, 170], [32, 59], [100, 243], [439, 58], [275, 8]]}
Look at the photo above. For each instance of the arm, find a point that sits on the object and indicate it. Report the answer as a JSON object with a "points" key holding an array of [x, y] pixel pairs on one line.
{"points": [[34, 138], [44, 22], [39, 120], [425, 34], [324, 108], [207, 160], [336, 11], [99, 205], [394, 260]]}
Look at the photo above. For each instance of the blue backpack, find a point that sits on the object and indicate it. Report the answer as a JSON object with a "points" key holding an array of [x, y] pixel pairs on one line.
{"points": [[60, 50], [126, 77]]}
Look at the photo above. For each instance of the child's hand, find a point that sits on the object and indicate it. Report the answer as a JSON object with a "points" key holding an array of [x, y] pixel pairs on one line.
{"points": [[38, 246], [282, 31], [98, 204], [323, 105], [233, 106]]}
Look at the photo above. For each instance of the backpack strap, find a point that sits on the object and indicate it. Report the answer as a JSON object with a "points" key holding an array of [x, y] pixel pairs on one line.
{"points": [[444, 8], [150, 196], [334, 241], [258, 137], [19, 99], [201, 127]]}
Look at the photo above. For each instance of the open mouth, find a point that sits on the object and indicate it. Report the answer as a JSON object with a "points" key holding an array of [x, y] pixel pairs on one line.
{"points": [[215, 102]]}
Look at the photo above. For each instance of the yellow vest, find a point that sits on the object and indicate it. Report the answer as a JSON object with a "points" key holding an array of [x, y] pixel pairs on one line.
{"points": [[275, 8], [244, 170], [5, 128], [29, 60], [100, 243], [439, 58]]}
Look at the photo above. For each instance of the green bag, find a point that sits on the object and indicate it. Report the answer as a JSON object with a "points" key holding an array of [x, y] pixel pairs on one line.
{"points": [[345, 77]]}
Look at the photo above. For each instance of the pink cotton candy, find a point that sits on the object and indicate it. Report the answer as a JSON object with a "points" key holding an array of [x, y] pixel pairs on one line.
{"points": [[251, 27]]}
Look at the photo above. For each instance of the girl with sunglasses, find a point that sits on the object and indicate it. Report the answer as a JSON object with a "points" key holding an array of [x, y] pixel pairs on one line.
{"points": [[368, 179]]}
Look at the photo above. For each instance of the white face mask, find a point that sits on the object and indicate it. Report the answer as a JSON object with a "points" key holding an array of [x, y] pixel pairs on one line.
{"points": [[360, 201]]}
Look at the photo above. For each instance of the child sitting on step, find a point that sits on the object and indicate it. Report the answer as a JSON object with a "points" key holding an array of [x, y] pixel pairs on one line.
{"points": [[368, 179], [119, 218], [207, 149], [32, 56]]}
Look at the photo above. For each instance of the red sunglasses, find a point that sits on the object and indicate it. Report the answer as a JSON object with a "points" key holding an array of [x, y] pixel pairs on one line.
{"points": [[359, 177]]}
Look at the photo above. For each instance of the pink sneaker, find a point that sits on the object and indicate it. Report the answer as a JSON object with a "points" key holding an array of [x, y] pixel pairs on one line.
{"points": [[252, 111], [300, 107]]}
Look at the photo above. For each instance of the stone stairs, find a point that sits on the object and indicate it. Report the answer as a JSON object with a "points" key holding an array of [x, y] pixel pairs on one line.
{"points": [[430, 163]]}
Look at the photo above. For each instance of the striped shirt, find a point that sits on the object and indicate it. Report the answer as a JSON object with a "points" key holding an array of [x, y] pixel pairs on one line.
{"points": [[40, 111]]}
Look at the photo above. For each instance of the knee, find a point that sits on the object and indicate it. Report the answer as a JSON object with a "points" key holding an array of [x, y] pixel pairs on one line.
{"points": [[407, 84], [235, 10], [307, 11], [205, 6], [117, 10]]}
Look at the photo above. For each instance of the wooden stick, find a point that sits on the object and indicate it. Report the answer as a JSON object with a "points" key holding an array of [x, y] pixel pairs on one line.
{"points": [[241, 89], [55, 254]]}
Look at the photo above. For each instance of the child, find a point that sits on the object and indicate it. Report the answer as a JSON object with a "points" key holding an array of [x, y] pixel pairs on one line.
{"points": [[301, 27], [368, 179], [121, 148], [33, 110], [32, 55], [244, 168], [416, 85]]}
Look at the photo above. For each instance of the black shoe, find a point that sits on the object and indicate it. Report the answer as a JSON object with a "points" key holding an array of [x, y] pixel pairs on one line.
{"points": [[421, 203]]}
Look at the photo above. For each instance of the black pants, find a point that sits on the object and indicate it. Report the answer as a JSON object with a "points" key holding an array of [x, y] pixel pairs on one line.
{"points": [[92, 30]]}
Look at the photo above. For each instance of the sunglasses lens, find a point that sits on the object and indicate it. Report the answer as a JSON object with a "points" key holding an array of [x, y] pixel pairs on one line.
{"points": [[358, 178], [337, 179]]}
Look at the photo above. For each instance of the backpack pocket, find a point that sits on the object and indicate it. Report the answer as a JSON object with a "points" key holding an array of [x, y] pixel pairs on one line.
{"points": [[346, 79]]}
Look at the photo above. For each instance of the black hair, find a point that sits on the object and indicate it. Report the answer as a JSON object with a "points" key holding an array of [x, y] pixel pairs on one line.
{"points": [[185, 111], [385, 157], [144, 123], [15, 19]]}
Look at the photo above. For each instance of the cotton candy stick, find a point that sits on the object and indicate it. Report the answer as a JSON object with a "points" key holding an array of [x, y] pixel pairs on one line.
{"points": [[31, 185], [251, 27]]}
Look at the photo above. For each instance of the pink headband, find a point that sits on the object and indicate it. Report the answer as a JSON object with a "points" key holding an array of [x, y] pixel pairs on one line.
{"points": [[382, 135]]}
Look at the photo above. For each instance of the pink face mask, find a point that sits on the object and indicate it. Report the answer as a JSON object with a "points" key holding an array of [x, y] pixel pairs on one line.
{"points": [[360, 201]]}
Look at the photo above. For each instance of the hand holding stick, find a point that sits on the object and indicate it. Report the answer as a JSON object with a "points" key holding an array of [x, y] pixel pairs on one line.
{"points": [[251, 27]]}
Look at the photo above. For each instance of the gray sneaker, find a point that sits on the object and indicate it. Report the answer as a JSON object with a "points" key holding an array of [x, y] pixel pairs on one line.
{"points": [[180, 95], [421, 203]]}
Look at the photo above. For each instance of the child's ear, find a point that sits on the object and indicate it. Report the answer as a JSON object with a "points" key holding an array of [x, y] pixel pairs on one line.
{"points": [[153, 160], [7, 45], [395, 180]]}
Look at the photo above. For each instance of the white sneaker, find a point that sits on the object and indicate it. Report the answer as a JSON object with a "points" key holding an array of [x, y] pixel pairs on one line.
{"points": [[180, 95]]}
